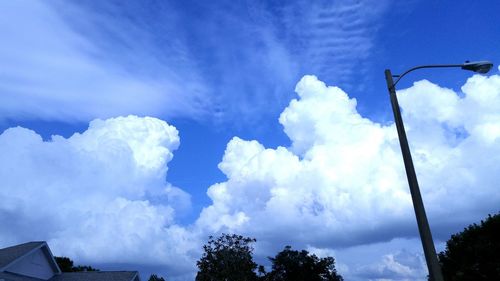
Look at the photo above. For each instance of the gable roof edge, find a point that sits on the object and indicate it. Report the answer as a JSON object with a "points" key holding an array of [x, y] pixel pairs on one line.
{"points": [[45, 249], [136, 275], [52, 261]]}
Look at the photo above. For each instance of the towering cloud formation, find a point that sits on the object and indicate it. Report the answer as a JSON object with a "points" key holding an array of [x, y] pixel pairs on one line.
{"points": [[103, 187], [340, 179], [342, 182], [339, 188]]}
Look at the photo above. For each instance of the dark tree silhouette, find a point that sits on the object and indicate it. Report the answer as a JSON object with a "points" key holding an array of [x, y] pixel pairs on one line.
{"points": [[473, 254], [290, 265], [227, 258], [66, 265], [154, 277]]}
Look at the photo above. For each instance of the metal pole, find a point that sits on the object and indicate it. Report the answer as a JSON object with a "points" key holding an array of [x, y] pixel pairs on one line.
{"points": [[423, 225]]}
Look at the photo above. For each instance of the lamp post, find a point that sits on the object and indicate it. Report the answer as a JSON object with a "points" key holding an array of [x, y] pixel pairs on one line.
{"points": [[418, 205]]}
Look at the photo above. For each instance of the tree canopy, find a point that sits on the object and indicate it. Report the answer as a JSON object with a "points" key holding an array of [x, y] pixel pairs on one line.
{"points": [[473, 254], [154, 277], [292, 265], [227, 258], [66, 265]]}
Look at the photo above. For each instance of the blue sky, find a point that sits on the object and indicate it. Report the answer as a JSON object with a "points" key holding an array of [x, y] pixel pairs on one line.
{"points": [[213, 71]]}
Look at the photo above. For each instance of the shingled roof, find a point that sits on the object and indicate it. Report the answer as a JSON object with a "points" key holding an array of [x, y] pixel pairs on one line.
{"points": [[10, 257], [8, 276], [10, 254], [96, 275]]}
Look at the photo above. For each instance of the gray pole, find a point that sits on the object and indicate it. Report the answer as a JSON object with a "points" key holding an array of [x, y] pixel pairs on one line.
{"points": [[423, 225]]}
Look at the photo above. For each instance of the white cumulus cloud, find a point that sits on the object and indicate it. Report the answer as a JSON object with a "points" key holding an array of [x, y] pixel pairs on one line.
{"points": [[339, 189], [99, 196], [341, 175], [342, 181], [402, 265]]}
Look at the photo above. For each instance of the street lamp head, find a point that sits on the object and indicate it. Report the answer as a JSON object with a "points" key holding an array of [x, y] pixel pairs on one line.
{"points": [[478, 66]]}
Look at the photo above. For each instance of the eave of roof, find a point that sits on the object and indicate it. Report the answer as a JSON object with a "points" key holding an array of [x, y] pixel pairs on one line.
{"points": [[9, 276], [96, 276]]}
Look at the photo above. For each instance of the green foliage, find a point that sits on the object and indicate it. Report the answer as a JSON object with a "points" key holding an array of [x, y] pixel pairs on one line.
{"points": [[155, 277], [84, 268], [66, 265], [290, 265], [227, 258], [473, 254]]}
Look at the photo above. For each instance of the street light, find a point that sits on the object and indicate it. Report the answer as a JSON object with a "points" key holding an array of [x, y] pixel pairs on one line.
{"points": [[423, 225]]}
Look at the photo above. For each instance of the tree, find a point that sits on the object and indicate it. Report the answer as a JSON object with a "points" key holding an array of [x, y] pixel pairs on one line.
{"points": [[66, 265], [473, 254], [155, 277], [227, 258], [290, 265]]}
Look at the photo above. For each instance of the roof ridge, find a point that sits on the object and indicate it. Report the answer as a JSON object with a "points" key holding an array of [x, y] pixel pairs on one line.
{"points": [[25, 243]]}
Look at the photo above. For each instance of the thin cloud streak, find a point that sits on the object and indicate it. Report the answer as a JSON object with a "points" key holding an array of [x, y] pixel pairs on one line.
{"points": [[52, 72], [335, 37], [72, 61]]}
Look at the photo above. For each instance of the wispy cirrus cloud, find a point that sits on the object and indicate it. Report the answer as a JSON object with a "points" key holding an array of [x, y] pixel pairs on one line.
{"points": [[50, 71], [333, 39], [72, 61]]}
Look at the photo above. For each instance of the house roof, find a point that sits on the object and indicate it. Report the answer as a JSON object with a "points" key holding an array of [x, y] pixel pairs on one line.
{"points": [[96, 276], [11, 254], [14, 254], [8, 276]]}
